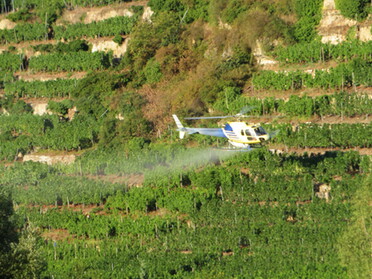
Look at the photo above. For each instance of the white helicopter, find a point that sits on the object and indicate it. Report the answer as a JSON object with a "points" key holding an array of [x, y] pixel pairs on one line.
{"points": [[240, 134]]}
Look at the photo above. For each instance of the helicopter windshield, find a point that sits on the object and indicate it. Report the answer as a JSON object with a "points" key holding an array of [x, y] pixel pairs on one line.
{"points": [[260, 131]]}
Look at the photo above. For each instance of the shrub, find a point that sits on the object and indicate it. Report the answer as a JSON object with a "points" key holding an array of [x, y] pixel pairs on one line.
{"points": [[152, 71], [118, 39]]}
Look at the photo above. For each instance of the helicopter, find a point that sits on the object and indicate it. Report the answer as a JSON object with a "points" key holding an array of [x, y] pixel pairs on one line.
{"points": [[240, 134]]}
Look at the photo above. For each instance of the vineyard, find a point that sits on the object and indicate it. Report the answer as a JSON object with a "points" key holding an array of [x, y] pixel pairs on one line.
{"points": [[318, 52], [139, 202], [355, 73], [252, 215]]}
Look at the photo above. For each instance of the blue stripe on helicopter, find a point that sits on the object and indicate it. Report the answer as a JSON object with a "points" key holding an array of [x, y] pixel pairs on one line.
{"points": [[228, 127]]}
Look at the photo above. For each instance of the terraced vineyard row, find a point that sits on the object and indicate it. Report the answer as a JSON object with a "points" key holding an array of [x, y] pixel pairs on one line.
{"points": [[356, 73], [55, 62], [120, 25]]}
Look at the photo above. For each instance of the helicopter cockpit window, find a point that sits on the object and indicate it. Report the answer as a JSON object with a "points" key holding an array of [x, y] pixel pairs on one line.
{"points": [[248, 133], [260, 131]]}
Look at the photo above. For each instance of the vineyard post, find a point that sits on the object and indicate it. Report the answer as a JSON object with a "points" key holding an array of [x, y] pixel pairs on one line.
{"points": [[46, 22], [253, 80], [15, 34], [292, 83]]}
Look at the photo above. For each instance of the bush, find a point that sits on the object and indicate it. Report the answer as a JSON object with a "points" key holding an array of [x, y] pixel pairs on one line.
{"points": [[118, 39], [60, 108], [152, 71], [20, 107]]}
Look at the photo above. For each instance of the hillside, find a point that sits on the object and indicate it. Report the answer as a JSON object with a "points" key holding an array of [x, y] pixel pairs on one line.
{"points": [[96, 183]]}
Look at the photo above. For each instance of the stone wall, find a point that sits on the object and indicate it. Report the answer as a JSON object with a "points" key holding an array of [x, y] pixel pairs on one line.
{"points": [[334, 27], [50, 159]]}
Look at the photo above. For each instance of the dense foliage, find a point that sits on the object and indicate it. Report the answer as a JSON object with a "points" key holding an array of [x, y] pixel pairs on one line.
{"points": [[271, 209], [20, 253]]}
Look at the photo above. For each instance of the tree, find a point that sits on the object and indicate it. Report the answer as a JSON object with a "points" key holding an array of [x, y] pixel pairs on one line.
{"points": [[20, 256], [92, 93], [8, 234]]}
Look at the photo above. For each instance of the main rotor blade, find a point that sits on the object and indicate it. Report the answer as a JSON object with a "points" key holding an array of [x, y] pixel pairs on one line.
{"points": [[209, 117]]}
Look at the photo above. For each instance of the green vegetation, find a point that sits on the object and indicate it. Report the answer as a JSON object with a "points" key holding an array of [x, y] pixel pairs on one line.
{"points": [[356, 9], [24, 32], [327, 135], [50, 88], [318, 52], [23, 132], [342, 104], [11, 62], [269, 210], [60, 108], [355, 241], [112, 26], [137, 202], [309, 15], [355, 73], [20, 15], [73, 46], [20, 246], [73, 61]]}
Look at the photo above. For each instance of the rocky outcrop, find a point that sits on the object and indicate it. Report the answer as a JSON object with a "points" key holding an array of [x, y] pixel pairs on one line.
{"points": [[322, 191], [334, 27], [40, 108], [6, 24], [118, 50], [261, 58], [147, 13], [88, 15]]}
